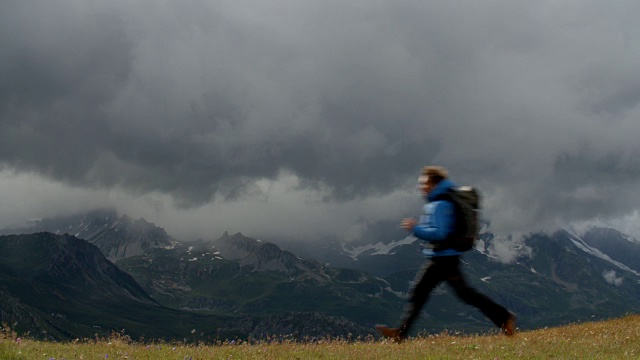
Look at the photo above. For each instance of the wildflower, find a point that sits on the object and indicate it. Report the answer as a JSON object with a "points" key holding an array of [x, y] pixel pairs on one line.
{"points": [[19, 340]]}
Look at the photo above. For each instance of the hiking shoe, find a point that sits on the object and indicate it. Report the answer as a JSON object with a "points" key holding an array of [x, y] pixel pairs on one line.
{"points": [[392, 333], [509, 326]]}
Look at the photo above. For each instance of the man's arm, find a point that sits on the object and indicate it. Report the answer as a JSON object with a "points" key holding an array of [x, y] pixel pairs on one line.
{"points": [[438, 225]]}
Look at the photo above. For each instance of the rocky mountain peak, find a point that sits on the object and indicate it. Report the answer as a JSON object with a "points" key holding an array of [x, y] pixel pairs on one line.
{"points": [[236, 246], [262, 256]]}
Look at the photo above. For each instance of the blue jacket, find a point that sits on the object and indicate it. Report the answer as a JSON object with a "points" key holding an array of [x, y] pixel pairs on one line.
{"points": [[437, 221]]}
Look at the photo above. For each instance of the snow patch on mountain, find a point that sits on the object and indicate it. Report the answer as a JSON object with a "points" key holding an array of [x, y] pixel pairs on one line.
{"points": [[579, 229], [377, 249], [483, 248], [578, 242], [631, 239]]}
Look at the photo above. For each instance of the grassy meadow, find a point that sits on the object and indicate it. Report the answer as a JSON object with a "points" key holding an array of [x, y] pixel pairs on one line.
{"points": [[611, 339]]}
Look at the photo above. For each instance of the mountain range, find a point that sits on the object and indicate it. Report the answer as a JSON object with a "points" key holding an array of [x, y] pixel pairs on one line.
{"points": [[114, 272]]}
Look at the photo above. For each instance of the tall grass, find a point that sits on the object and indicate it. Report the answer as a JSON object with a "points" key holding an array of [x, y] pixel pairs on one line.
{"points": [[612, 339]]}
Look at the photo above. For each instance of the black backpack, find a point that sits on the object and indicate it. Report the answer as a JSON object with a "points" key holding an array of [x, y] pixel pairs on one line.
{"points": [[466, 201]]}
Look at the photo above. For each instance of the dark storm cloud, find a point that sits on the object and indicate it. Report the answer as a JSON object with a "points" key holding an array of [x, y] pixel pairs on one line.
{"points": [[202, 99], [60, 68], [99, 97]]}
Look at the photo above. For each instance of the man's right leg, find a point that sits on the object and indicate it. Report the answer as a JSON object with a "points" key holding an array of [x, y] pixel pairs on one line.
{"points": [[494, 311]]}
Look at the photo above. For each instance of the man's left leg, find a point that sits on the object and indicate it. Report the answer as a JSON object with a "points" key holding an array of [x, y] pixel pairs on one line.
{"points": [[500, 316]]}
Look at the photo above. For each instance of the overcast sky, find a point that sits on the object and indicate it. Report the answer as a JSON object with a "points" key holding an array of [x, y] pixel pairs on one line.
{"points": [[308, 118]]}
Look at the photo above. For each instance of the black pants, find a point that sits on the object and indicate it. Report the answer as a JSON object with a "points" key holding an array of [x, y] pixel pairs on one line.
{"points": [[447, 268]]}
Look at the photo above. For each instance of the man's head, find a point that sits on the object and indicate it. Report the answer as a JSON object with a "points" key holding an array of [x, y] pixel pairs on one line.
{"points": [[430, 177]]}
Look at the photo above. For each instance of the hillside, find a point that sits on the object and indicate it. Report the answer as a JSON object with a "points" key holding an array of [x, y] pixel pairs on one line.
{"points": [[61, 287]]}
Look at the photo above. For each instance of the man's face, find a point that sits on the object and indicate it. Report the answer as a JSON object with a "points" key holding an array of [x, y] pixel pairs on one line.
{"points": [[425, 186]]}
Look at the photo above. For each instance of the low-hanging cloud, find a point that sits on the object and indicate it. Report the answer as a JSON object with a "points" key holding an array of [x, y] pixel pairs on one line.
{"points": [[611, 278], [508, 249], [536, 104]]}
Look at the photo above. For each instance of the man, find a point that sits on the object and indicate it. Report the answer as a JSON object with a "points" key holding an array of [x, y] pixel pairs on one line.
{"points": [[436, 227]]}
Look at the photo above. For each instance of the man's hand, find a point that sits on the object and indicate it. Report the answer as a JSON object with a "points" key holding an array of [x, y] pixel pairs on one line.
{"points": [[408, 224]]}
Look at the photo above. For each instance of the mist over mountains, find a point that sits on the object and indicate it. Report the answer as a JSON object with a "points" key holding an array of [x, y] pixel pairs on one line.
{"points": [[117, 237], [73, 273]]}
